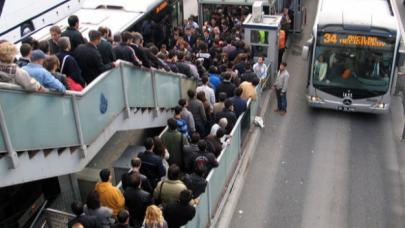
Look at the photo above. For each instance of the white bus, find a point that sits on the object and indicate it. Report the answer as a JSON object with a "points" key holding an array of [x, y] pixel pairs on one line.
{"points": [[22, 17], [353, 54], [122, 15]]}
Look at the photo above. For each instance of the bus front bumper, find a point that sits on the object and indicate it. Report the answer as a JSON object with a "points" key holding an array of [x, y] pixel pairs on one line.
{"points": [[366, 107]]}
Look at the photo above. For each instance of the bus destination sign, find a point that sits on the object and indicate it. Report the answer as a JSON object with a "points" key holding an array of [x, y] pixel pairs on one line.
{"points": [[352, 40]]}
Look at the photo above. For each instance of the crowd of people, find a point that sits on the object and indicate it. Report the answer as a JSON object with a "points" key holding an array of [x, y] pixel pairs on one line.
{"points": [[167, 179]]}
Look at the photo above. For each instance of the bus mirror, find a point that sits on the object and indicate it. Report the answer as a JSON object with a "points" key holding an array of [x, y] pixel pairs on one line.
{"points": [[305, 52]]}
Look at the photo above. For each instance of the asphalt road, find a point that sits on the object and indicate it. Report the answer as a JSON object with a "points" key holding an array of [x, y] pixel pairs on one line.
{"points": [[324, 169]]}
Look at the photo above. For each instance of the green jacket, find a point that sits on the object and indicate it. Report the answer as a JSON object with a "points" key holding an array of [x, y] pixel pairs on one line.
{"points": [[169, 192]]}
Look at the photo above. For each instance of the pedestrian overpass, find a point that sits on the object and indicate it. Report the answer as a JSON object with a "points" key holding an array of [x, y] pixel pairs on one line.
{"points": [[44, 135]]}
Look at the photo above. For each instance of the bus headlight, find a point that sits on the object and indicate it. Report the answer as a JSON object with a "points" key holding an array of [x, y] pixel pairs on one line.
{"points": [[381, 105], [314, 99]]}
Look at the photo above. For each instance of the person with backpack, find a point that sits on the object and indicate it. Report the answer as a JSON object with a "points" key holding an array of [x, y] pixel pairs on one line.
{"points": [[182, 126], [204, 159]]}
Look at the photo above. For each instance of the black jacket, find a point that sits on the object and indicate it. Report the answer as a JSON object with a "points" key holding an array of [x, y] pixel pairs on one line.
{"points": [[209, 161], [88, 221], [184, 68], [152, 167], [126, 53], [226, 87], [190, 40], [189, 153], [195, 183], [249, 75], [230, 116], [145, 184], [142, 55], [75, 37], [177, 215], [53, 47], [90, 61], [137, 200], [105, 49], [71, 67], [214, 145]]}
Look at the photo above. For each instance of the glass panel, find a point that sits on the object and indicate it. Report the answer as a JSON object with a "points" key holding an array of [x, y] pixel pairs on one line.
{"points": [[100, 105], [187, 84], [2, 145], [201, 218], [38, 121], [139, 87], [218, 181], [168, 91], [259, 51], [258, 36]]}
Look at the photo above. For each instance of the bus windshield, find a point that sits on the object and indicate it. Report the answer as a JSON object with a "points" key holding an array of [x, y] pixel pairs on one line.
{"points": [[359, 63]]}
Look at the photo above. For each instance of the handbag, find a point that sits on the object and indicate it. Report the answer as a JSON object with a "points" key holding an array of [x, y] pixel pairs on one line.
{"points": [[73, 85]]}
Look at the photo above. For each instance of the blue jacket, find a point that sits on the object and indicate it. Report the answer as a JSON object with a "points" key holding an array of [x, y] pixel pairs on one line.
{"points": [[239, 105], [44, 77], [214, 80]]}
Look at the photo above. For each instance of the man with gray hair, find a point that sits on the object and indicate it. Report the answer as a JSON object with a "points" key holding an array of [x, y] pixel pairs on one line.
{"points": [[68, 64], [222, 123]]}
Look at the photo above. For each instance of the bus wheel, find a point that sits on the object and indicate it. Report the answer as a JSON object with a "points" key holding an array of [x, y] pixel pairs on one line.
{"points": [[26, 28]]}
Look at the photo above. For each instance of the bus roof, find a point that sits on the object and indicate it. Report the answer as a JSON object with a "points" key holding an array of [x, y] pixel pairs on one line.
{"points": [[116, 20], [364, 13], [127, 5]]}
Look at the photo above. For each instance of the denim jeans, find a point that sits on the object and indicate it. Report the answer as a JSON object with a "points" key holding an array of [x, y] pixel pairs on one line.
{"points": [[281, 100]]}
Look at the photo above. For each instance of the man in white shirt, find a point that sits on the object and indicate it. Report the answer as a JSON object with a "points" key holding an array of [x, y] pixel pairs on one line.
{"points": [[260, 68], [209, 92]]}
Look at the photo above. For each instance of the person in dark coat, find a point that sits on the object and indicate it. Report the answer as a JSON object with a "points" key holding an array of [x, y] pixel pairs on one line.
{"points": [[89, 58], [182, 66], [228, 114], [226, 86], [76, 37], [196, 182], [190, 151], [124, 51], [174, 142], [189, 37], [136, 164], [214, 143], [239, 104], [53, 42], [136, 200], [87, 221], [123, 220], [69, 67], [139, 50], [204, 160], [196, 107], [172, 60], [105, 47], [152, 165], [179, 213], [249, 74]]}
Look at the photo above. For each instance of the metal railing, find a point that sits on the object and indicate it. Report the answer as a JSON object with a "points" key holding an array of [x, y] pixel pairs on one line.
{"points": [[28, 120]]}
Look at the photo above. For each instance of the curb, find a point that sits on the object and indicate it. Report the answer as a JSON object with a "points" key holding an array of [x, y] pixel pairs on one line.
{"points": [[223, 218]]}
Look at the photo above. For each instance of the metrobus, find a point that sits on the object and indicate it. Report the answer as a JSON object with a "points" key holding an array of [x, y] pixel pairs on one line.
{"points": [[22, 17], [353, 54], [124, 15]]}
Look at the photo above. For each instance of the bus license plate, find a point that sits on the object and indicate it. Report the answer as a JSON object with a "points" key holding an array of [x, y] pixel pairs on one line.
{"points": [[346, 109]]}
